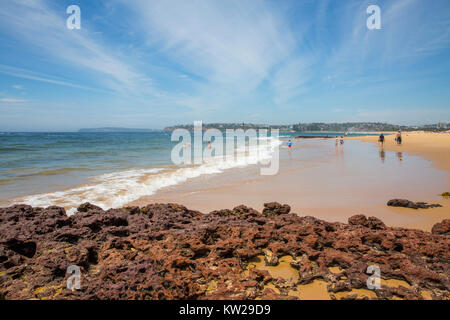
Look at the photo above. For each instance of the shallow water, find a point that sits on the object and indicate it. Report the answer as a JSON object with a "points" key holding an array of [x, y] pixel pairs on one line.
{"points": [[330, 182], [316, 177], [282, 270], [107, 169], [33, 163]]}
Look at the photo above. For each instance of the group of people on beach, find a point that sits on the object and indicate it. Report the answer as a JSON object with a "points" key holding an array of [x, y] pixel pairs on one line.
{"points": [[398, 138], [338, 140]]}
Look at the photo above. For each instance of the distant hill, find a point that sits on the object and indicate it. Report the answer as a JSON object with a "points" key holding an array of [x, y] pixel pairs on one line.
{"points": [[114, 129]]}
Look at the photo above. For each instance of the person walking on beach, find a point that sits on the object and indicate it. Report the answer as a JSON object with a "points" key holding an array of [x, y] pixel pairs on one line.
{"points": [[381, 139], [336, 140], [289, 144], [342, 140], [398, 137]]}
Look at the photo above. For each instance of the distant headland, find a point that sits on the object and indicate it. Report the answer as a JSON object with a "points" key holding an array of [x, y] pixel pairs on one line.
{"points": [[115, 129], [318, 127]]}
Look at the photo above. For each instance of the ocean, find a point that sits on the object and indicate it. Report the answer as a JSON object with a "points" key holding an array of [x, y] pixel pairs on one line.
{"points": [[106, 169]]}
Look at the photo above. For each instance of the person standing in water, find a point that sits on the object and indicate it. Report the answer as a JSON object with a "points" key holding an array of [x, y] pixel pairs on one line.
{"points": [[336, 140], [342, 140], [289, 144]]}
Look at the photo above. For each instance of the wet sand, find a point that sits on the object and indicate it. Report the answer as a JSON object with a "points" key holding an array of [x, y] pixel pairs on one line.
{"points": [[317, 178], [434, 147]]}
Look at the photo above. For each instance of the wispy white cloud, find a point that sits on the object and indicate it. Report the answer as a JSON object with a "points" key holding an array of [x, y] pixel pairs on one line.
{"points": [[411, 30], [38, 24], [31, 75], [12, 100], [233, 45], [290, 79]]}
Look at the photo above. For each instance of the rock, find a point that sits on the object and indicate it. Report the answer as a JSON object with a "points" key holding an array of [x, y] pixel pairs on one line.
{"points": [[376, 224], [442, 227], [24, 248], [85, 207], [274, 208], [166, 251], [245, 211], [358, 220], [371, 222], [269, 258], [410, 204]]}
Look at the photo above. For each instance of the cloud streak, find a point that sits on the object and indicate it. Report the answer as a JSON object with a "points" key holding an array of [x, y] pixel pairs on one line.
{"points": [[30, 75], [12, 100], [38, 24], [232, 45]]}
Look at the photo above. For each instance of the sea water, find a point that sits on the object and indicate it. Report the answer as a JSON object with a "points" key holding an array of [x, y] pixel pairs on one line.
{"points": [[106, 169]]}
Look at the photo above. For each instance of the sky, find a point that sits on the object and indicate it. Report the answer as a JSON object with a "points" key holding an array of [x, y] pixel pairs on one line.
{"points": [[155, 63]]}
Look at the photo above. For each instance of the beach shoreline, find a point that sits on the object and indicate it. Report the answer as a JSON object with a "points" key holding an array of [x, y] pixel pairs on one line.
{"points": [[317, 177], [204, 236], [301, 183]]}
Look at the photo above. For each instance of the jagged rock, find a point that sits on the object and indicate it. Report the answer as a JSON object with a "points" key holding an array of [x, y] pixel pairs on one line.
{"points": [[86, 207], [166, 251], [358, 220], [410, 204], [442, 227], [245, 211], [274, 208], [269, 258], [376, 224], [371, 222]]}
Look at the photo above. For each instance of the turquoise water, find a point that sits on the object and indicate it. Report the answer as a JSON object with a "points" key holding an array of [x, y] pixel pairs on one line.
{"points": [[93, 167], [27, 160]]}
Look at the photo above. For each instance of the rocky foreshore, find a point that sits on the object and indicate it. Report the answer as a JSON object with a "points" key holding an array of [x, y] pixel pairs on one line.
{"points": [[165, 251]]}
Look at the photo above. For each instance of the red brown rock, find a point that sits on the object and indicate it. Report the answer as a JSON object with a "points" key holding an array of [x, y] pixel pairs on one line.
{"points": [[166, 251], [442, 227], [410, 204]]}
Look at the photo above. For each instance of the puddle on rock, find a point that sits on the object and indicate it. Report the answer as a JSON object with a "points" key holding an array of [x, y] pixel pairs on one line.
{"points": [[394, 283], [361, 293], [316, 290], [283, 270], [426, 294], [335, 270]]}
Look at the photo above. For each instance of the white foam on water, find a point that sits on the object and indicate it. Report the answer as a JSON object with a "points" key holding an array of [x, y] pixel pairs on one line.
{"points": [[119, 188]]}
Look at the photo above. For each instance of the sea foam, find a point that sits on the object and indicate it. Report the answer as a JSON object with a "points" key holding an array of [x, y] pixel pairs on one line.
{"points": [[116, 189]]}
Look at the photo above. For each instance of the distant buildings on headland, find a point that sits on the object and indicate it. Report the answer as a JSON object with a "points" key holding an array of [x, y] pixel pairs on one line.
{"points": [[311, 127]]}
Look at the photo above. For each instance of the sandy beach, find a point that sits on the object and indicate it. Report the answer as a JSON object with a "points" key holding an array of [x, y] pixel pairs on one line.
{"points": [[431, 146], [319, 179]]}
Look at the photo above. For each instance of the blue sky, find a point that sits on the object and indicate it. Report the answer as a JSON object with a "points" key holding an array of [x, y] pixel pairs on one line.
{"points": [[149, 63]]}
